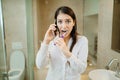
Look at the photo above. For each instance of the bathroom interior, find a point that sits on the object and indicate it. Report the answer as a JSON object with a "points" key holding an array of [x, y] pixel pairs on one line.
{"points": [[23, 24]]}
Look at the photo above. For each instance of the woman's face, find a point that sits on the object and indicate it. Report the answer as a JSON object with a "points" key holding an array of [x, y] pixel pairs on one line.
{"points": [[65, 24]]}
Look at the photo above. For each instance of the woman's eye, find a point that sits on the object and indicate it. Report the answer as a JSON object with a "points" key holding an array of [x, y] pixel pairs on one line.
{"points": [[59, 22], [68, 21]]}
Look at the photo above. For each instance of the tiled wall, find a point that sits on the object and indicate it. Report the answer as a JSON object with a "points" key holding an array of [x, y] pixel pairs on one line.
{"points": [[105, 53]]}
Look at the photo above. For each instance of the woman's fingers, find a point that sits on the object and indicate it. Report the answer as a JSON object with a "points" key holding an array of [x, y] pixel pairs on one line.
{"points": [[62, 45], [52, 27], [60, 42], [49, 35]]}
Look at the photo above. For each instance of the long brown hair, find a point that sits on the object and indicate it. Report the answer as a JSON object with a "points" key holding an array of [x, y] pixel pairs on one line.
{"points": [[69, 11]]}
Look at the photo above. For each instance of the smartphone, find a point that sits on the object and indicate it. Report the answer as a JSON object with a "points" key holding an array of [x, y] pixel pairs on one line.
{"points": [[57, 29]]}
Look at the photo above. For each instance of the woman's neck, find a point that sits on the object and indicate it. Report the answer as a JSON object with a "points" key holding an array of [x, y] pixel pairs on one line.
{"points": [[66, 39]]}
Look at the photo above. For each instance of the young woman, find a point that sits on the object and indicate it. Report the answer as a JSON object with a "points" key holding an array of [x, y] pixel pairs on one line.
{"points": [[65, 50]]}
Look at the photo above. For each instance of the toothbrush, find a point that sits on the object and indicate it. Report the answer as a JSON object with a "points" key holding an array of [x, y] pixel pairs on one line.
{"points": [[62, 36]]}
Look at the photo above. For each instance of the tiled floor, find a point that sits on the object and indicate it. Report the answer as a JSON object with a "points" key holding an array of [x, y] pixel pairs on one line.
{"points": [[91, 66]]}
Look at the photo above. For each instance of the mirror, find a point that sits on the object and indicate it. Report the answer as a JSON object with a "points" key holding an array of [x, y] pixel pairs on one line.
{"points": [[116, 26]]}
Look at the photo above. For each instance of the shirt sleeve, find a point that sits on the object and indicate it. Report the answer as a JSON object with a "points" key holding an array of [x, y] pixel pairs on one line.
{"points": [[42, 57], [78, 63]]}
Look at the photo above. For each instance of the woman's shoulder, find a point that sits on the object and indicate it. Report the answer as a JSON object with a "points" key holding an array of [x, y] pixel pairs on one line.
{"points": [[82, 38]]}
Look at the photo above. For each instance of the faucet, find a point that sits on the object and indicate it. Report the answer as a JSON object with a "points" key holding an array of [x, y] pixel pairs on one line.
{"points": [[117, 74], [110, 63], [118, 70]]}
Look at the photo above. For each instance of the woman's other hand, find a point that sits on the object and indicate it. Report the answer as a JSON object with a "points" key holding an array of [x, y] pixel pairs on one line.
{"points": [[63, 46]]}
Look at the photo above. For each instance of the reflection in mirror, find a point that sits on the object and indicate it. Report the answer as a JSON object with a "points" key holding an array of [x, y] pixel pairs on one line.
{"points": [[116, 26]]}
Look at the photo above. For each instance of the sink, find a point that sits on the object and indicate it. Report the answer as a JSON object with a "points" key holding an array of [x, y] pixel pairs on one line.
{"points": [[102, 74]]}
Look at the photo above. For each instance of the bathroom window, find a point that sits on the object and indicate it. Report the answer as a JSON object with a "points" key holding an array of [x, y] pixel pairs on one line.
{"points": [[116, 26]]}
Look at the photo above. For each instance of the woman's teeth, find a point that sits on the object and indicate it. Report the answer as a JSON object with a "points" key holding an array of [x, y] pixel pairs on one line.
{"points": [[64, 31]]}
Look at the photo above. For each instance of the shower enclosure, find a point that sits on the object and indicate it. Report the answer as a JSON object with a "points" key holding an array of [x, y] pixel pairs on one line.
{"points": [[3, 62]]}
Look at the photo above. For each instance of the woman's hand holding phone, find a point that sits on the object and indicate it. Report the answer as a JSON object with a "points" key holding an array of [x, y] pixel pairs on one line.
{"points": [[50, 33]]}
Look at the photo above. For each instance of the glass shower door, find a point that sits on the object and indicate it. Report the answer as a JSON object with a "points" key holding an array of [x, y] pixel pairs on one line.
{"points": [[3, 66]]}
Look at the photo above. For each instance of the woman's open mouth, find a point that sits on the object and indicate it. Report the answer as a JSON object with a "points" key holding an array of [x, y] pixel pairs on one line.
{"points": [[63, 32]]}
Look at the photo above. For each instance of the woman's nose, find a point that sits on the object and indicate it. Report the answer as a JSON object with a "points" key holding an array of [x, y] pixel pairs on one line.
{"points": [[64, 25]]}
